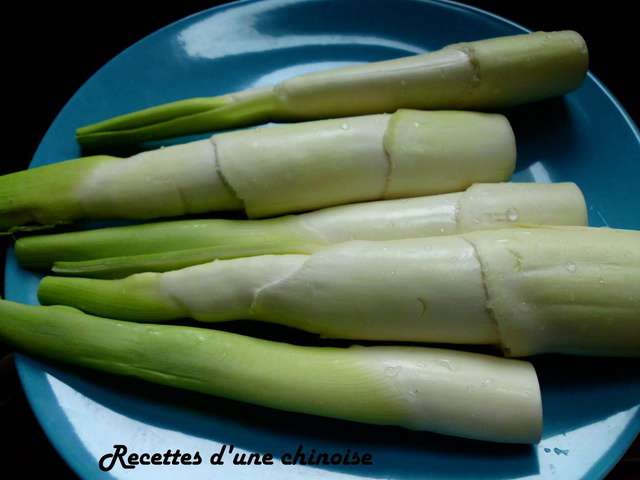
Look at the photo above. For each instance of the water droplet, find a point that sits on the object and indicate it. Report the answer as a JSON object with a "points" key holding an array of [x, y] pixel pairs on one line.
{"points": [[421, 365], [344, 126], [416, 124], [392, 371], [559, 451], [512, 214], [412, 394], [547, 450], [486, 382], [571, 267], [601, 281], [442, 230]]}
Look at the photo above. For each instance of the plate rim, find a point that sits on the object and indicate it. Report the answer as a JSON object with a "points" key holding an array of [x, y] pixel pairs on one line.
{"points": [[598, 470]]}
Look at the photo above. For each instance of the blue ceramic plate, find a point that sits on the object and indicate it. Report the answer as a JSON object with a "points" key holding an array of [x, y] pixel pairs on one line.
{"points": [[591, 407]]}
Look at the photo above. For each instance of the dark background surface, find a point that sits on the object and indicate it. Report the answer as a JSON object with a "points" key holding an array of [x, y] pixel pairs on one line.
{"points": [[50, 50]]}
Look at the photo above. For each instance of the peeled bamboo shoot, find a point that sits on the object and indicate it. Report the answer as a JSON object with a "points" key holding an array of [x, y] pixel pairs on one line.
{"points": [[455, 393], [271, 171], [572, 290], [481, 75], [120, 251]]}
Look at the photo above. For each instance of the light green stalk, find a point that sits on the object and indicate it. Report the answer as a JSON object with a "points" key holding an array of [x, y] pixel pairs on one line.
{"points": [[41, 196], [120, 251], [170, 181], [271, 171], [481, 75], [456, 393], [531, 290]]}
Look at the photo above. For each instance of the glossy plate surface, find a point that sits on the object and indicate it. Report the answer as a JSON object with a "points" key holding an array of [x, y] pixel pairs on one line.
{"points": [[591, 407]]}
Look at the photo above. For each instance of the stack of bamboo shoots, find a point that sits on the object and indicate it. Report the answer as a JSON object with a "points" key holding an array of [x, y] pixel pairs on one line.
{"points": [[401, 227]]}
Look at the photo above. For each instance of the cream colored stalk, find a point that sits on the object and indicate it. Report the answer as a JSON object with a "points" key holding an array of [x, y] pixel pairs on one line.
{"points": [[162, 246], [456, 393], [529, 290], [271, 171], [481, 75]]}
